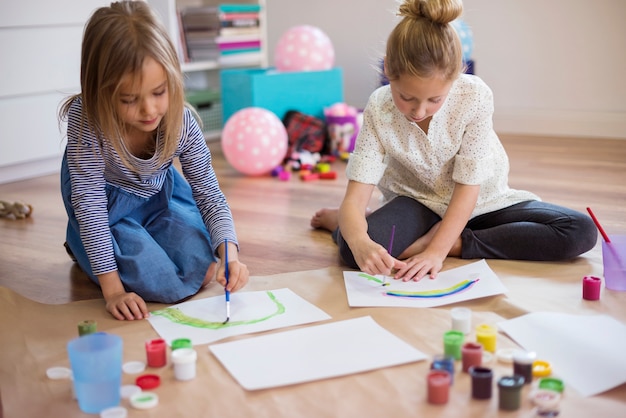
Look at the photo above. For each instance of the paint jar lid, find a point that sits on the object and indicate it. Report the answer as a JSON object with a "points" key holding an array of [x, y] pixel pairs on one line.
{"points": [[134, 367], [148, 381], [551, 383], [57, 373], [144, 400], [114, 412], [545, 399], [505, 355], [541, 368]]}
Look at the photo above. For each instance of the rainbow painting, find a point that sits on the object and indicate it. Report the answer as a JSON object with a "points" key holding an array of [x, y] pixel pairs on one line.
{"points": [[471, 281]]}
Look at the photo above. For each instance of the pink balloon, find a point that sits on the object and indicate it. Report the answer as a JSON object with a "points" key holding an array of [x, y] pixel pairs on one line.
{"points": [[304, 48], [254, 141]]}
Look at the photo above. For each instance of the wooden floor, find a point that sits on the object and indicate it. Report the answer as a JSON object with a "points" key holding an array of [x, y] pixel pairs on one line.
{"points": [[272, 217]]}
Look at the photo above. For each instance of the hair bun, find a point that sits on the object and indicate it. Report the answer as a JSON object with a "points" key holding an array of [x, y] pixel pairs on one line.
{"points": [[437, 11]]}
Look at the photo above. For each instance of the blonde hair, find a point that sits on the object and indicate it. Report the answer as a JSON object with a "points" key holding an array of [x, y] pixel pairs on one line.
{"points": [[424, 43], [116, 41]]}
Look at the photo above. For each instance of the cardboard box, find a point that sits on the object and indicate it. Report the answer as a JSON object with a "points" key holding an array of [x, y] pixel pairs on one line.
{"points": [[305, 91]]}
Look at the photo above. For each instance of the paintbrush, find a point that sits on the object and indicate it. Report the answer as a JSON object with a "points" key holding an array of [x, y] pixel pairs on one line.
{"points": [[226, 274], [389, 248]]}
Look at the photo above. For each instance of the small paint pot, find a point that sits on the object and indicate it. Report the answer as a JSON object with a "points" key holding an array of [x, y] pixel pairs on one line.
{"points": [[461, 319], [523, 365], [482, 382], [509, 392], [86, 327], [472, 355], [452, 342], [443, 362], [184, 360], [486, 335], [591, 287], [438, 386], [551, 383], [156, 352]]}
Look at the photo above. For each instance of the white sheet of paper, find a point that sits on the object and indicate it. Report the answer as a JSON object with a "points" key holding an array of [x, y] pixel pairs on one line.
{"points": [[447, 288], [587, 352], [201, 319], [313, 353]]}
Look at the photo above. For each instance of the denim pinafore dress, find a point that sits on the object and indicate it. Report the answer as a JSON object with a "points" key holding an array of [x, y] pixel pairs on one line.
{"points": [[162, 247]]}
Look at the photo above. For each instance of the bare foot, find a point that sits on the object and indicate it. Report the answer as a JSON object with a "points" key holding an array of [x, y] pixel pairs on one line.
{"points": [[210, 274], [326, 218]]}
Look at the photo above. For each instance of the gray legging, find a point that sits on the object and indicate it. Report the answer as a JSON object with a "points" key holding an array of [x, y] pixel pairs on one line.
{"points": [[531, 230]]}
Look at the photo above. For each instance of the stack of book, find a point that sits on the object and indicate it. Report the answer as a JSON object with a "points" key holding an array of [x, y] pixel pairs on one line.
{"points": [[239, 39], [199, 30]]}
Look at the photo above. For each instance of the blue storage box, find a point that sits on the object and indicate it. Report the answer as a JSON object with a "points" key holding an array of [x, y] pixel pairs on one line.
{"points": [[305, 91]]}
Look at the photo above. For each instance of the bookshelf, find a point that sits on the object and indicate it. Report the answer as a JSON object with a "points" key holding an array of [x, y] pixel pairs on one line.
{"points": [[202, 74]]}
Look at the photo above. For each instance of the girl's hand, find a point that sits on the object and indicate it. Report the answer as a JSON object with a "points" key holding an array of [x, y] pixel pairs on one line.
{"points": [[373, 258], [237, 275], [127, 306], [420, 265]]}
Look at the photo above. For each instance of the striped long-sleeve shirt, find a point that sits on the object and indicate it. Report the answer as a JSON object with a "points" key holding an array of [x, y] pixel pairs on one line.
{"points": [[94, 163]]}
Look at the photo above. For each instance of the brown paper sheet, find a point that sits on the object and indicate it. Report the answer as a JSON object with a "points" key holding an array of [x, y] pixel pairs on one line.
{"points": [[34, 338]]}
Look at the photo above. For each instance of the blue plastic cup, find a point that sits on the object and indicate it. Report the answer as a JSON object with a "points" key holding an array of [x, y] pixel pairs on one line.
{"points": [[96, 361]]}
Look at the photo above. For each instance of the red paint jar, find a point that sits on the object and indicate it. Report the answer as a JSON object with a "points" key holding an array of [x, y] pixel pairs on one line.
{"points": [[156, 352], [472, 354], [438, 386]]}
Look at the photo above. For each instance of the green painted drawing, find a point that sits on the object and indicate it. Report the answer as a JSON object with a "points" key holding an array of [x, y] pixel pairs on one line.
{"points": [[177, 316]]}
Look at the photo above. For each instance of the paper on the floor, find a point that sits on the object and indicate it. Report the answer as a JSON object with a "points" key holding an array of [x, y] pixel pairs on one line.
{"points": [[586, 351], [201, 320], [313, 353], [472, 281]]}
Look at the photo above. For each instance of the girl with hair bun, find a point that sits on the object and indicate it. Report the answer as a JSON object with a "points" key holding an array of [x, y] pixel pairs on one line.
{"points": [[428, 144]]}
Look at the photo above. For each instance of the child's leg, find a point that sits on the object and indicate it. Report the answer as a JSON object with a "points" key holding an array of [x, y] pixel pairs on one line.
{"points": [[411, 219], [530, 230]]}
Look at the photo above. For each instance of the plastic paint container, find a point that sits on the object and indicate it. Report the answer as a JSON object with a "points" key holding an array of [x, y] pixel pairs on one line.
{"points": [[156, 352], [523, 365], [486, 335], [472, 355], [547, 402], [87, 327], [509, 392], [438, 386], [452, 342], [482, 382], [591, 287], [461, 319], [184, 360], [443, 362]]}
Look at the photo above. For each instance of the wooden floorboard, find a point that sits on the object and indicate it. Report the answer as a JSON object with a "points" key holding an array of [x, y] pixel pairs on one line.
{"points": [[272, 217]]}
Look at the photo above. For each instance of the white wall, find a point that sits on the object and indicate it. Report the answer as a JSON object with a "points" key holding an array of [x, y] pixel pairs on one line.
{"points": [[557, 67], [40, 65]]}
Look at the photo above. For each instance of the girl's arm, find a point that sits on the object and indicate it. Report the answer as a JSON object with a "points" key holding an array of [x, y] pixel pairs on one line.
{"points": [[371, 257], [119, 303], [238, 272], [446, 237]]}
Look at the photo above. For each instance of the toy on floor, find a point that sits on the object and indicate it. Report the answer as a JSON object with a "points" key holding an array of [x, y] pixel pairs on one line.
{"points": [[343, 123], [15, 210]]}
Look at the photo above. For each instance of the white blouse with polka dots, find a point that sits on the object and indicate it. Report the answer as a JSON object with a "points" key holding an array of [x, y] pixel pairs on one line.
{"points": [[461, 147]]}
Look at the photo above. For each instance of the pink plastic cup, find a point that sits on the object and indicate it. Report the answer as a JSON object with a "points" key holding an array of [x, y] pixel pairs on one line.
{"points": [[614, 261]]}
